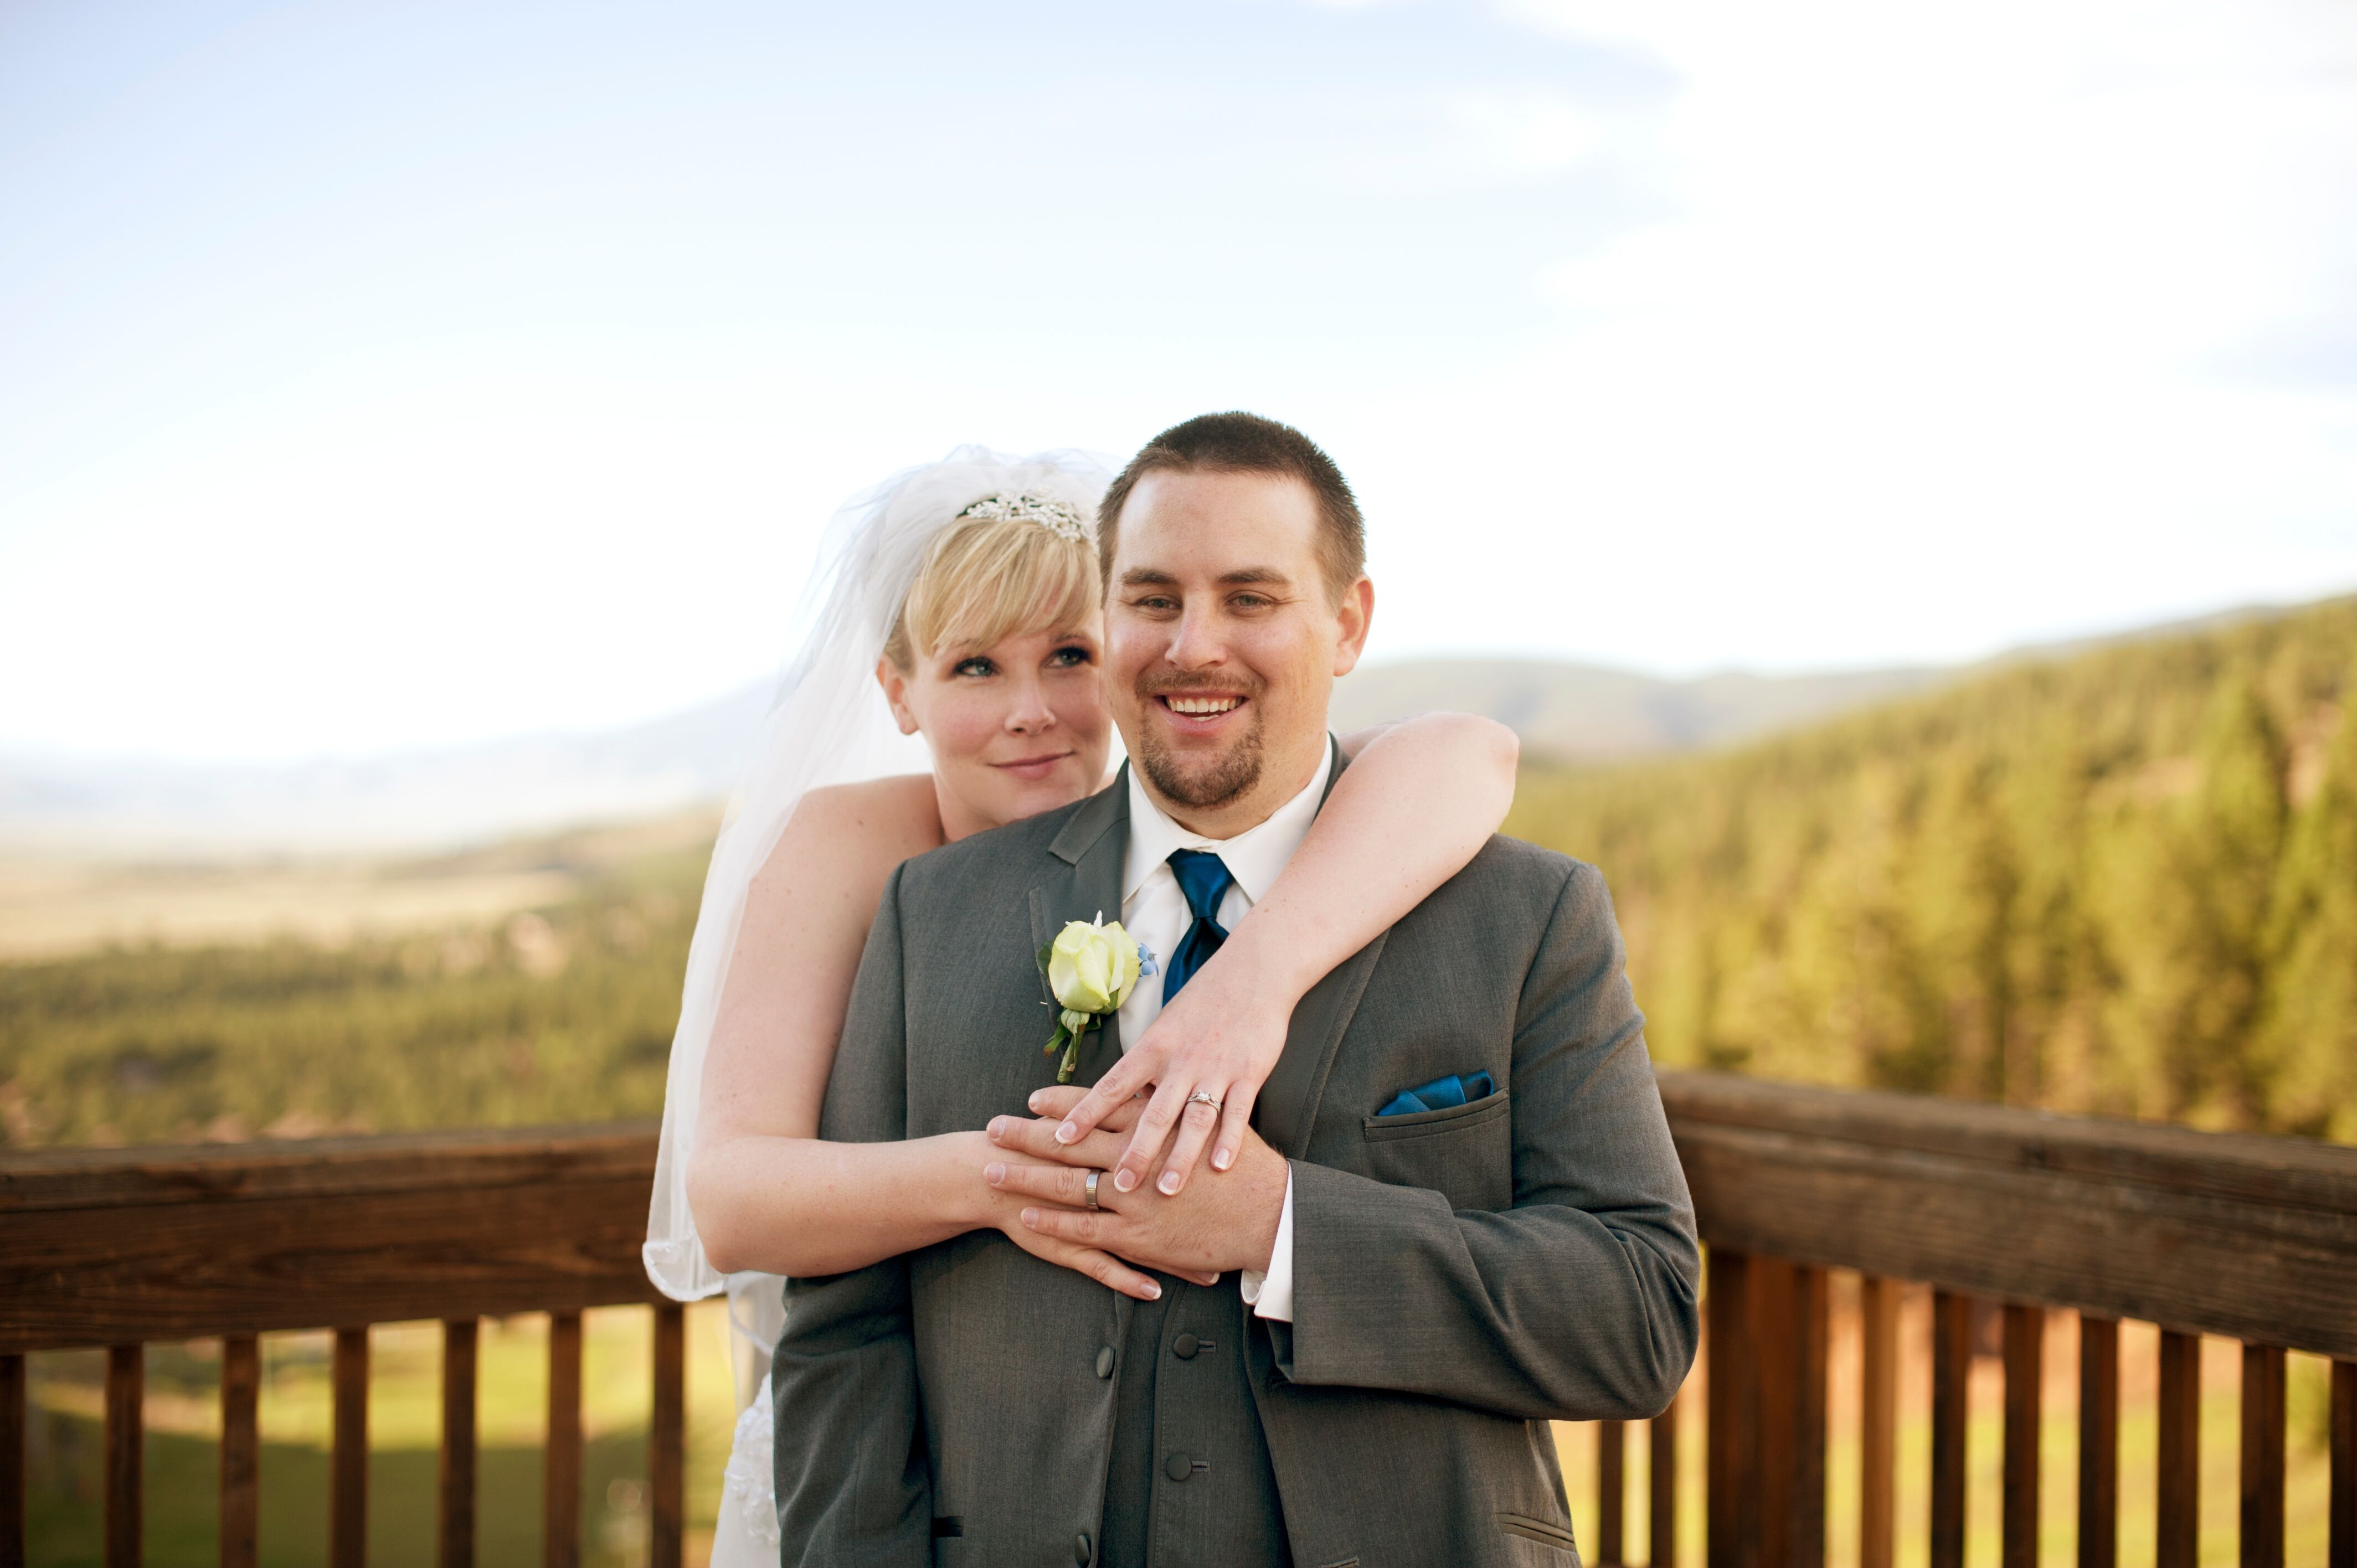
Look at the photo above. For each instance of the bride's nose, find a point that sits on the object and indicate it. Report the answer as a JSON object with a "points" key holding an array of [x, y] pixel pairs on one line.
{"points": [[1030, 714]]}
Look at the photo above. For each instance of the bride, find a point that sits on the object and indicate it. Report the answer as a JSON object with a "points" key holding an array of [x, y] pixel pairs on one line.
{"points": [[969, 591]]}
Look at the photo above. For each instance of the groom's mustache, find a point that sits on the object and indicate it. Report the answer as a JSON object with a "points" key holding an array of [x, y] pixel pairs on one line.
{"points": [[1158, 685]]}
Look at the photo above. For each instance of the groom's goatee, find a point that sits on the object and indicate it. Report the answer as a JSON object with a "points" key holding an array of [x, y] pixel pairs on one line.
{"points": [[1220, 781]]}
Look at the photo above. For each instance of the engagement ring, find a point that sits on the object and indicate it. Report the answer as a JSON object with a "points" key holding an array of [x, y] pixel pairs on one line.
{"points": [[1204, 1097]]}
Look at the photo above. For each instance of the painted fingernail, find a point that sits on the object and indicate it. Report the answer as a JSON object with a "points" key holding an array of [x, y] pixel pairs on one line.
{"points": [[1169, 1181], [1153, 1291], [1222, 1160], [1069, 1133], [993, 1174], [1124, 1180], [1034, 1101]]}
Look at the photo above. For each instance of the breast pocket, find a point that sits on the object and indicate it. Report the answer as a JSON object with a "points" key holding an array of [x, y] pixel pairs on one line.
{"points": [[1465, 1152]]}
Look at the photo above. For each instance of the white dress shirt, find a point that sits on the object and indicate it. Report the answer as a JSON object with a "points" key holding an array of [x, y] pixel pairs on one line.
{"points": [[1154, 911]]}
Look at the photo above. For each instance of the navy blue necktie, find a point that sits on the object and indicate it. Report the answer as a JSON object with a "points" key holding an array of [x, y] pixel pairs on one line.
{"points": [[1205, 879]]}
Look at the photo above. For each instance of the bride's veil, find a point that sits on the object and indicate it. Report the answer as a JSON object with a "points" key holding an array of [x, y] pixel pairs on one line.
{"points": [[828, 724]]}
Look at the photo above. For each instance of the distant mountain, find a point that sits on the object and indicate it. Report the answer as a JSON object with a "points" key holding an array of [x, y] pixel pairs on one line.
{"points": [[1580, 712], [473, 795], [417, 800]]}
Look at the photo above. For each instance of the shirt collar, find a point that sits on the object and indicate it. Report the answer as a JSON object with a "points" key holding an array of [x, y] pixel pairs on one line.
{"points": [[1255, 858]]}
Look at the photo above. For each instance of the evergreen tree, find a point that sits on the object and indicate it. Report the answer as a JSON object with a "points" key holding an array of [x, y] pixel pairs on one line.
{"points": [[2311, 1050]]}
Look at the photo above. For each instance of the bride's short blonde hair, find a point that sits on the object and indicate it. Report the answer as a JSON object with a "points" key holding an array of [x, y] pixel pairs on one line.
{"points": [[986, 578]]}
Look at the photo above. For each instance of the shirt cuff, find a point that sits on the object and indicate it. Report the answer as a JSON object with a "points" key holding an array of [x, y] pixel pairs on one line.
{"points": [[1270, 1294]]}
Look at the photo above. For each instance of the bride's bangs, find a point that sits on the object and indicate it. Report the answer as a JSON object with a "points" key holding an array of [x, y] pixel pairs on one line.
{"points": [[989, 580]]}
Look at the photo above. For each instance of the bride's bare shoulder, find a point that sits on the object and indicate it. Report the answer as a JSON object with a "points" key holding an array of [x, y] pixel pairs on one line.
{"points": [[885, 819]]}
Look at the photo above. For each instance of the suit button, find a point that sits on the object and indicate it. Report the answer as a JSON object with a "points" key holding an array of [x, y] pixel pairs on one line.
{"points": [[1105, 1362], [1179, 1466], [1081, 1549], [1185, 1346]]}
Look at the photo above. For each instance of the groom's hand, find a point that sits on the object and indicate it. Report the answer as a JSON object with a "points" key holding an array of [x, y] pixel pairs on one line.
{"points": [[1223, 1220]]}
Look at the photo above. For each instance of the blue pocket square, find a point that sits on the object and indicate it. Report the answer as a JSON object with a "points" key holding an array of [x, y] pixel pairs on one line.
{"points": [[1440, 1094]]}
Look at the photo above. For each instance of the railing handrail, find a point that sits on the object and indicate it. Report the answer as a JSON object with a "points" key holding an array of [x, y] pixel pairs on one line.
{"points": [[2251, 1237]]}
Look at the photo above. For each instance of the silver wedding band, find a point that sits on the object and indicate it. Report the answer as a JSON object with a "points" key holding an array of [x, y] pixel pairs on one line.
{"points": [[1204, 1097], [1089, 1189]]}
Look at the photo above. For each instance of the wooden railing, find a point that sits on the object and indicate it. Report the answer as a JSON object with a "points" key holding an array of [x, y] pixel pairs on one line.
{"points": [[123, 1247], [2249, 1237]]}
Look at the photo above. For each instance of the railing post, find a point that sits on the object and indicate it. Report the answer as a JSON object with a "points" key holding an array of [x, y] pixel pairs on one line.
{"points": [[667, 1438], [2099, 1442], [348, 1458], [1612, 1492], [241, 1451], [561, 1461], [2342, 1550], [126, 1386], [2178, 1483], [1731, 1430], [1878, 1524], [1952, 1365], [456, 1517], [1662, 1487], [11, 1461], [2025, 1377], [2262, 1479]]}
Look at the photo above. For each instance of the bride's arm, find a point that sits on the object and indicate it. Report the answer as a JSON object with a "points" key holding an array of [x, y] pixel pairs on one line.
{"points": [[1418, 801], [766, 1192]]}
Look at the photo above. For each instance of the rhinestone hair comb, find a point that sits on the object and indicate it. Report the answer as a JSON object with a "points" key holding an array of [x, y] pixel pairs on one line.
{"points": [[1059, 518]]}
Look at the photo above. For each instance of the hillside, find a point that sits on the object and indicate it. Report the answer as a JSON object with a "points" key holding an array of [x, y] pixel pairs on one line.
{"points": [[2124, 881]]}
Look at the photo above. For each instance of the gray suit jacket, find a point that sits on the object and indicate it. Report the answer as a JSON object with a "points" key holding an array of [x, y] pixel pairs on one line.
{"points": [[1460, 1277]]}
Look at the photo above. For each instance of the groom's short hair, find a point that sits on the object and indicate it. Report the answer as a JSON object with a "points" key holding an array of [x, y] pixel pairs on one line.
{"points": [[1238, 443]]}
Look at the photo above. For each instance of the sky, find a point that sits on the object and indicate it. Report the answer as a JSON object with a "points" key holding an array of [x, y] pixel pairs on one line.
{"points": [[376, 377]]}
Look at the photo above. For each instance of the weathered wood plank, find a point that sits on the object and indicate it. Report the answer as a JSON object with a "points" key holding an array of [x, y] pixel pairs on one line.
{"points": [[1878, 1422], [2099, 1442], [245, 1266], [2275, 1172], [347, 1458], [667, 1439], [2255, 1238], [2178, 1472], [241, 1452], [2262, 1478], [474, 1160], [2025, 1379], [126, 1442], [12, 1462], [1611, 1493], [457, 1472], [561, 1462], [1952, 1363], [1662, 1487]]}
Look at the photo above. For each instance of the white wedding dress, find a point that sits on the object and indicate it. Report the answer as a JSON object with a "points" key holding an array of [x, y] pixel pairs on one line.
{"points": [[828, 725]]}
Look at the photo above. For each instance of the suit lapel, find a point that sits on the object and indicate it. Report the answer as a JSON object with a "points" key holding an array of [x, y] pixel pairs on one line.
{"points": [[1289, 1100], [1082, 882]]}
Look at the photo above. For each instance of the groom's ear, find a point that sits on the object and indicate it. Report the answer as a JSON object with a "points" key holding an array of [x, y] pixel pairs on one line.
{"points": [[1352, 616], [895, 694]]}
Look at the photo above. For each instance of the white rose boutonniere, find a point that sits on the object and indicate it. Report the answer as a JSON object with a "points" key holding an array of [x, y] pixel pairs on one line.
{"points": [[1091, 969]]}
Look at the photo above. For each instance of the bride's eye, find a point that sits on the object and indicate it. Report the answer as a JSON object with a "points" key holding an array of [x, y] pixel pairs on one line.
{"points": [[978, 665], [1068, 659]]}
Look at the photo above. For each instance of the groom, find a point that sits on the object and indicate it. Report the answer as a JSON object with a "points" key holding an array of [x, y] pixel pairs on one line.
{"points": [[1416, 1291]]}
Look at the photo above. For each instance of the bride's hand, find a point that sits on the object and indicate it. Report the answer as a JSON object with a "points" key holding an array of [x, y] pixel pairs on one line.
{"points": [[1102, 1266], [1221, 1036]]}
